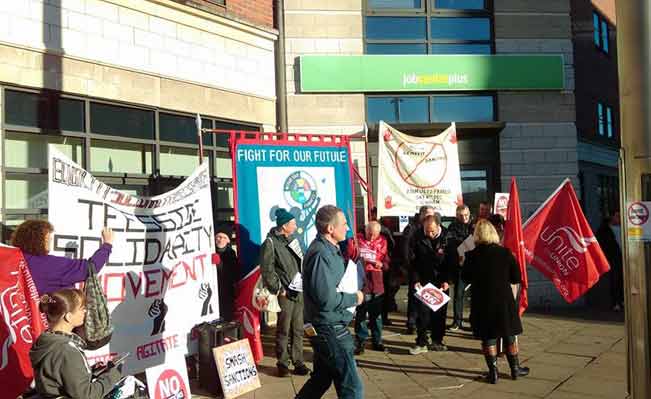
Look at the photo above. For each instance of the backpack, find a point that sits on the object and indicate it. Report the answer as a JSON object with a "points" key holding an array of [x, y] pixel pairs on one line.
{"points": [[97, 329]]}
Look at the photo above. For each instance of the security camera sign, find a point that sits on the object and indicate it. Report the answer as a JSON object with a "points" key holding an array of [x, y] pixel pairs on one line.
{"points": [[431, 296], [637, 221]]}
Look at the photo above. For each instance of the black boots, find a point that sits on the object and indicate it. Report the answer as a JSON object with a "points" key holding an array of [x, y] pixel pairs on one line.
{"points": [[514, 362], [490, 354]]}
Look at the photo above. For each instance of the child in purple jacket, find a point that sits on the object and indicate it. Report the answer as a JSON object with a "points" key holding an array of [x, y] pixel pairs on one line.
{"points": [[51, 273]]}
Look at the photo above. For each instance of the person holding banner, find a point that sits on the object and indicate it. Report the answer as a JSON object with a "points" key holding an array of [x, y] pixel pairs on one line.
{"points": [[491, 269], [280, 261], [326, 311], [49, 272], [227, 270], [60, 366], [430, 265], [373, 253]]}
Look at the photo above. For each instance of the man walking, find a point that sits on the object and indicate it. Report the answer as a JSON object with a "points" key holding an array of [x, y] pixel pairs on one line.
{"points": [[326, 310], [280, 261], [609, 237], [430, 266], [458, 231]]}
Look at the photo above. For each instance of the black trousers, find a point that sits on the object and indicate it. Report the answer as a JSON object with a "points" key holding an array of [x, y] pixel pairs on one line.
{"points": [[432, 322]]}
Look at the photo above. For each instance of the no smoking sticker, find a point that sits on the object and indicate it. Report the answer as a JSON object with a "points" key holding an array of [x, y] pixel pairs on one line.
{"points": [[637, 220], [638, 213]]}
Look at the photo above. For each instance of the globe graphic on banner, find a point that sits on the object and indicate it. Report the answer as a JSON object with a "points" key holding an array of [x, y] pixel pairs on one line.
{"points": [[300, 189]]}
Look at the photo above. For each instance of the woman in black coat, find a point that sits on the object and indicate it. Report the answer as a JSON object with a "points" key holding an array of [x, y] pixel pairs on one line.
{"points": [[491, 269]]}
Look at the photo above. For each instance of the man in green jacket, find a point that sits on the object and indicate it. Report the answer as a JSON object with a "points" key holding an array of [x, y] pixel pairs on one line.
{"points": [[280, 261]]}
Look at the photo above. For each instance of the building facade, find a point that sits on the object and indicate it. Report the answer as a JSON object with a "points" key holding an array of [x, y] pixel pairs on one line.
{"points": [[116, 85], [350, 64]]}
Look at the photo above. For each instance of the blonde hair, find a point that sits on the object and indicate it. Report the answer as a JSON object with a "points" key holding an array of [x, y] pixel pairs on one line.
{"points": [[373, 226], [485, 233]]}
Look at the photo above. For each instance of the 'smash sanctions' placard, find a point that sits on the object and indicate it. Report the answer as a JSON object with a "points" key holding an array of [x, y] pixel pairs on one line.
{"points": [[237, 372], [417, 171], [159, 281]]}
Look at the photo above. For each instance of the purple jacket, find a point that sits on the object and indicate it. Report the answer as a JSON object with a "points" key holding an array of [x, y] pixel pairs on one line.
{"points": [[51, 273]]}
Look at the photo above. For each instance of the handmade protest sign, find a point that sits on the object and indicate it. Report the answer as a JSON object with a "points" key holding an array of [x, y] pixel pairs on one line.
{"points": [[159, 281], [237, 372], [431, 296]]}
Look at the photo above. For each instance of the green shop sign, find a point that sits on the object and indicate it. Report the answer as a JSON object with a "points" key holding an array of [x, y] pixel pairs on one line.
{"points": [[372, 73]]}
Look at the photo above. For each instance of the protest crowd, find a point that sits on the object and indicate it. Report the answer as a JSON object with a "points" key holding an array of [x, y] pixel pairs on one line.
{"points": [[337, 289]]}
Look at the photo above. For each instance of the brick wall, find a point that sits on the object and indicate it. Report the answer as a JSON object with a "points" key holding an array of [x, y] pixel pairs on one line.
{"points": [[258, 12]]}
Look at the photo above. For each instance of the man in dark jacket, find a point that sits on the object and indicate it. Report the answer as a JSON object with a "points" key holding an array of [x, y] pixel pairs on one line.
{"points": [[326, 310], [609, 237], [280, 261], [458, 231], [226, 271], [408, 242], [430, 266]]}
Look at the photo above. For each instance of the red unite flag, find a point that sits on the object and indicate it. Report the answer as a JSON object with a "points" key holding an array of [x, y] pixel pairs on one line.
{"points": [[20, 322], [559, 243], [513, 240], [248, 315]]}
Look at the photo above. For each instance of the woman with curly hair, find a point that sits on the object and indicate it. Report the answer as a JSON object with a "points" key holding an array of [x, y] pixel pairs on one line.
{"points": [[51, 273]]}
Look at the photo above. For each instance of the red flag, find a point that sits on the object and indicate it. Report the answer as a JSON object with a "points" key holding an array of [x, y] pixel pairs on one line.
{"points": [[559, 243], [513, 240], [248, 315], [20, 322]]}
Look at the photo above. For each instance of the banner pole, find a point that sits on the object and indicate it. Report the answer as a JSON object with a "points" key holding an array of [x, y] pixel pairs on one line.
{"points": [[369, 186], [198, 122]]}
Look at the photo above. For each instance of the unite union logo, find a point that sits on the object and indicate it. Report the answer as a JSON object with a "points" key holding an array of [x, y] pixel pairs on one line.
{"points": [[565, 247]]}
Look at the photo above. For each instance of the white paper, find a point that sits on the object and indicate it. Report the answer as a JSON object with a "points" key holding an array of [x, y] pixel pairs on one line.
{"points": [[431, 296], [466, 246], [348, 283], [297, 283]]}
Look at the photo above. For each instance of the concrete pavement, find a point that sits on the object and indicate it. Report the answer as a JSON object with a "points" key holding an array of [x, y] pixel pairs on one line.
{"points": [[570, 357]]}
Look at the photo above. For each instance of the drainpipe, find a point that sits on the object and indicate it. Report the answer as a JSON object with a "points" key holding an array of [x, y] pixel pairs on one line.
{"points": [[281, 67]]}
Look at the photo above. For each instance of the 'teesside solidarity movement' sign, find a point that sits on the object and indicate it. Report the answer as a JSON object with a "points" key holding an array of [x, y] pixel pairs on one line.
{"points": [[159, 281]]}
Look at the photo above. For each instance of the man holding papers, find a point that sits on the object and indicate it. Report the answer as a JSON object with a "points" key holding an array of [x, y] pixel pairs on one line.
{"points": [[430, 266], [280, 261], [326, 310]]}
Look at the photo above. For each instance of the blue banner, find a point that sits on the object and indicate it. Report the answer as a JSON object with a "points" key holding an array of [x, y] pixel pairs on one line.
{"points": [[299, 178]]}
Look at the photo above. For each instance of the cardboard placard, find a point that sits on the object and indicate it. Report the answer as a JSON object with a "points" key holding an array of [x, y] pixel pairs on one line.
{"points": [[501, 203], [170, 379], [431, 296], [237, 371]]}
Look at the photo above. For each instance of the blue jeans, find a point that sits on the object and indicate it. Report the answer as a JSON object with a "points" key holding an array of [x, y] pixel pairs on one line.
{"points": [[369, 314], [459, 293], [333, 362]]}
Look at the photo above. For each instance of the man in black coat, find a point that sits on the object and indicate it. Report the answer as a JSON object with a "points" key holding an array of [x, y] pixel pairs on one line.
{"points": [[609, 237], [430, 265], [458, 231], [227, 271]]}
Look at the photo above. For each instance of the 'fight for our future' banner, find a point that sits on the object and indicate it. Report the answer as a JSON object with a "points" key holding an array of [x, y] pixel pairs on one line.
{"points": [[417, 171], [159, 280]]}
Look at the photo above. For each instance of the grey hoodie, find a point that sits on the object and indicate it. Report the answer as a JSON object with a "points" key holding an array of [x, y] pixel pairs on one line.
{"points": [[61, 369]]}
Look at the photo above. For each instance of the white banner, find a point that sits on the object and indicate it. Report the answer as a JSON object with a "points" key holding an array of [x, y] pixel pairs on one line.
{"points": [[159, 280], [417, 171]]}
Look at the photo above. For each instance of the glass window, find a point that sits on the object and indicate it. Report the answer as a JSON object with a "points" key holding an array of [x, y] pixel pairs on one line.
{"points": [[381, 108], [604, 35], [222, 138], [48, 111], [121, 121], [401, 28], [460, 28], [600, 118], [460, 4], [181, 129], [395, 48], [476, 173], [609, 121], [595, 27], [28, 150], [26, 191], [394, 4], [474, 191], [224, 166], [224, 196], [179, 161], [413, 110], [462, 108], [460, 48], [118, 157]]}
